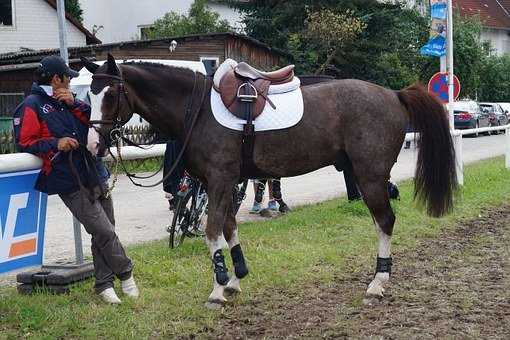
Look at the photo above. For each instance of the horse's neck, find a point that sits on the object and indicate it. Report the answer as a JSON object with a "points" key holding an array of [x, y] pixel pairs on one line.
{"points": [[167, 112]]}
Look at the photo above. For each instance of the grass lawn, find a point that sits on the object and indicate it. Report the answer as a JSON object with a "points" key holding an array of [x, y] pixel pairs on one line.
{"points": [[311, 243]]}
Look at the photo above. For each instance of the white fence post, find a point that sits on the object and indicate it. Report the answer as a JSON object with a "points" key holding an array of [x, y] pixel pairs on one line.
{"points": [[459, 163], [78, 245], [507, 153]]}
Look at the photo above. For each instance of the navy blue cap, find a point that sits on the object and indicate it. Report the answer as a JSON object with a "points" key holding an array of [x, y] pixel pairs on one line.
{"points": [[56, 65]]}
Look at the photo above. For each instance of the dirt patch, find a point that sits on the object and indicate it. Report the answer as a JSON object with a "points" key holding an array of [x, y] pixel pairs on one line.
{"points": [[454, 286]]}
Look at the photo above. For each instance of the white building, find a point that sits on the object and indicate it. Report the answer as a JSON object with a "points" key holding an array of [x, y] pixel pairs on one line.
{"points": [[124, 20], [495, 18], [33, 25]]}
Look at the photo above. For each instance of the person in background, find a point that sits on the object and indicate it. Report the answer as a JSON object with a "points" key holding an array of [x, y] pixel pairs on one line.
{"points": [[171, 183], [275, 202]]}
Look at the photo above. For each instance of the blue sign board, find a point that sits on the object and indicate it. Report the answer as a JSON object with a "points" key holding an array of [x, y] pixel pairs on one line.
{"points": [[22, 221], [438, 9], [436, 46]]}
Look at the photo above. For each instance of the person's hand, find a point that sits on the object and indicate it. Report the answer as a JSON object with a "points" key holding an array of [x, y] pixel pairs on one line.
{"points": [[64, 95], [67, 144]]}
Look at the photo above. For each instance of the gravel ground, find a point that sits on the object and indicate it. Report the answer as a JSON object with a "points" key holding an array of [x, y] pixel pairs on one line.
{"points": [[454, 286]]}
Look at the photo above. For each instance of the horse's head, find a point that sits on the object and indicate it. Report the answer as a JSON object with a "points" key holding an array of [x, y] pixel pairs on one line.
{"points": [[115, 107]]}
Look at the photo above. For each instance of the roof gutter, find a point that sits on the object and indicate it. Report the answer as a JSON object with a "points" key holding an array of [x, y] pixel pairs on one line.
{"points": [[28, 66]]}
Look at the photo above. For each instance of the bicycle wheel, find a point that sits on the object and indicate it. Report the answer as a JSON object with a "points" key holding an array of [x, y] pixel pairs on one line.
{"points": [[198, 211], [180, 221], [239, 194]]}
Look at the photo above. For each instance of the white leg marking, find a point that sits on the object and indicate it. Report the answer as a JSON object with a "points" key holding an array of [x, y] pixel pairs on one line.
{"points": [[216, 296], [376, 287], [234, 240], [233, 286], [214, 245]]}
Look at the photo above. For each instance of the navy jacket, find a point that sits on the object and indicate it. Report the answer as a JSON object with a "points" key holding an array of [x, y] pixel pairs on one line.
{"points": [[38, 124]]}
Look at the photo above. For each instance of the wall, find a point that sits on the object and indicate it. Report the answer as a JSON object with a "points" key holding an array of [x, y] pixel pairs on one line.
{"points": [[499, 39], [36, 27]]}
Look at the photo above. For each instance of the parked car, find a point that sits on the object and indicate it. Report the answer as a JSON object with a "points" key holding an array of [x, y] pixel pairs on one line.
{"points": [[468, 115], [497, 116]]}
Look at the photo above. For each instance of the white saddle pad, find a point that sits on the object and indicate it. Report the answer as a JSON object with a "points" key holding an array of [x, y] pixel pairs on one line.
{"points": [[287, 98]]}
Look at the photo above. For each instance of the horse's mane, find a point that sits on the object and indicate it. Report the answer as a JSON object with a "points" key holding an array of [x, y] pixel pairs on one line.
{"points": [[147, 64]]}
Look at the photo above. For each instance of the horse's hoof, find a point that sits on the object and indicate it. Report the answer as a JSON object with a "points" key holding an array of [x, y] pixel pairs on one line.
{"points": [[371, 300], [375, 289], [215, 304], [230, 291]]}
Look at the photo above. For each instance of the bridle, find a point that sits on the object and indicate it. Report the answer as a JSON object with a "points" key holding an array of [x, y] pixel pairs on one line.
{"points": [[117, 123], [116, 134]]}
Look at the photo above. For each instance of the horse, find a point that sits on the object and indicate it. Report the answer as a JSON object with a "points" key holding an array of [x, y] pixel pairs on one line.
{"points": [[347, 123]]}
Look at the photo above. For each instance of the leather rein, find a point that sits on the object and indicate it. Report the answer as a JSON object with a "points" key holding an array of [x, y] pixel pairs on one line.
{"points": [[117, 135]]}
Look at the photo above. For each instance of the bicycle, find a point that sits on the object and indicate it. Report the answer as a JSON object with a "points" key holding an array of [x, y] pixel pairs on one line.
{"points": [[191, 209]]}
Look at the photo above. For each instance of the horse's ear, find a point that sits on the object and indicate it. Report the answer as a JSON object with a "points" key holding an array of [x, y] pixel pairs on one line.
{"points": [[90, 66], [113, 69]]}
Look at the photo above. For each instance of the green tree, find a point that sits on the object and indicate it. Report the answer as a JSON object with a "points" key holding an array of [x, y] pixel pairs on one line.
{"points": [[495, 79], [387, 50], [387, 44], [74, 9], [199, 20], [332, 32]]}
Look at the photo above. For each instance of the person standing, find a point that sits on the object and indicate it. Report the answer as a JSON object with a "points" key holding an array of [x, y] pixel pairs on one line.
{"points": [[53, 125]]}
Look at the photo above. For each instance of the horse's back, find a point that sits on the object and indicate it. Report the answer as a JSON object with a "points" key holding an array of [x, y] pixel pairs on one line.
{"points": [[354, 101]]}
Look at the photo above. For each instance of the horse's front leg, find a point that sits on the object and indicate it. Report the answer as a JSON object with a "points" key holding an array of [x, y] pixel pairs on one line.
{"points": [[220, 197], [240, 268]]}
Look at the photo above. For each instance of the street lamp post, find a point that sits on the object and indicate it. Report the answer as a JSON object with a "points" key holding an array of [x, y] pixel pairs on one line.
{"points": [[457, 137], [62, 32]]}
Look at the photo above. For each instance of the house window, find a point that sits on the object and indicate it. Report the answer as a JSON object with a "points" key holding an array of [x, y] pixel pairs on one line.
{"points": [[6, 13], [210, 63], [145, 31]]}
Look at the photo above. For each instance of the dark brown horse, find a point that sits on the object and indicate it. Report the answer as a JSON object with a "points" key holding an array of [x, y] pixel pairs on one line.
{"points": [[345, 122]]}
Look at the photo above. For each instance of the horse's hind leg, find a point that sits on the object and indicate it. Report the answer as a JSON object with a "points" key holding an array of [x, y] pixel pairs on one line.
{"points": [[375, 195], [240, 268]]}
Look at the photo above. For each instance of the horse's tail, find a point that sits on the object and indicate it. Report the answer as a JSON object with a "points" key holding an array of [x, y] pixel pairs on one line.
{"points": [[435, 178]]}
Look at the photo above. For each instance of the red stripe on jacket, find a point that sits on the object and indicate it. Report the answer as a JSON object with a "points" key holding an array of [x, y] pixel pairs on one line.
{"points": [[33, 131], [78, 113]]}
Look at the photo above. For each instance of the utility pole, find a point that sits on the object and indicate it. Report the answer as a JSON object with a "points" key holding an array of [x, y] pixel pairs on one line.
{"points": [[62, 31], [457, 138]]}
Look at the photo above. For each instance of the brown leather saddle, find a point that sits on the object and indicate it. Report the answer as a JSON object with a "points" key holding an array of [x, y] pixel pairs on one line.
{"points": [[244, 92], [244, 86]]}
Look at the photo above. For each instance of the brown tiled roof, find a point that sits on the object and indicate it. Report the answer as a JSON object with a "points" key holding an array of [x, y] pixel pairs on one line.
{"points": [[492, 13], [91, 39]]}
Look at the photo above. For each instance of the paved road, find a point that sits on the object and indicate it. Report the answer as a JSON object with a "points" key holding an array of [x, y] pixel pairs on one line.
{"points": [[142, 214]]}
